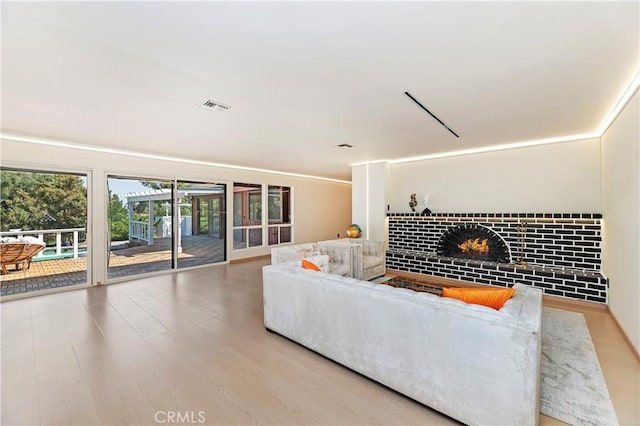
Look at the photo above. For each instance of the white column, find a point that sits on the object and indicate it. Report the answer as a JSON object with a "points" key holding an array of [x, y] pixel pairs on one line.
{"points": [[75, 244], [131, 233], [150, 222], [58, 242], [360, 197], [179, 226], [369, 198]]}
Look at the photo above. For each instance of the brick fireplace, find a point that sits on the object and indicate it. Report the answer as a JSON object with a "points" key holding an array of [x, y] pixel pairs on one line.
{"points": [[559, 253]]}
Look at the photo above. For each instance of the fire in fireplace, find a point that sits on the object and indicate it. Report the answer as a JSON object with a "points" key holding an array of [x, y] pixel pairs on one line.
{"points": [[473, 241], [470, 247]]}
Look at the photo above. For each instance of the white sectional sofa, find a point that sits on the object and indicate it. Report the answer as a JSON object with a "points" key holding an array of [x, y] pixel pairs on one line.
{"points": [[473, 363]]}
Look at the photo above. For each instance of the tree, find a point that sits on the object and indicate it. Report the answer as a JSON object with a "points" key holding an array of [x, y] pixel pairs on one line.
{"points": [[34, 201], [118, 219]]}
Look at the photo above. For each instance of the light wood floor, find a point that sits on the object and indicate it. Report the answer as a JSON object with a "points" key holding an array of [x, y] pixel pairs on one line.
{"points": [[194, 342]]}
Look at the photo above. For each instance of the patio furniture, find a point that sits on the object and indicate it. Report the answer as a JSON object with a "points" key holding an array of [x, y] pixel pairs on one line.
{"points": [[19, 251]]}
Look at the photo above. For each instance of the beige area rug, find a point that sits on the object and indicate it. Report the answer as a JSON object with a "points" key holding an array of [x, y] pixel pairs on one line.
{"points": [[572, 388]]}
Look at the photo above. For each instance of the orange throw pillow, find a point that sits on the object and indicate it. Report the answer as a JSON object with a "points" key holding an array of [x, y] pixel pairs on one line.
{"points": [[310, 265], [491, 297]]}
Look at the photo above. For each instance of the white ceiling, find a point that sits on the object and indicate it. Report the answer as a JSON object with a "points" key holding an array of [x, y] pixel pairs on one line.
{"points": [[302, 77]]}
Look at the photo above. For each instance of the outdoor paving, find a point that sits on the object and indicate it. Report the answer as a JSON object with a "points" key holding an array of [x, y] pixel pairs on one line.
{"points": [[48, 274]]}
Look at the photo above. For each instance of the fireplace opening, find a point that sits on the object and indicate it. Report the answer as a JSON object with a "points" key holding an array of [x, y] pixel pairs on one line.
{"points": [[472, 241]]}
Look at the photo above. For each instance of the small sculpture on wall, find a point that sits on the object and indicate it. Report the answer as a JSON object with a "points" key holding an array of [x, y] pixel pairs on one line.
{"points": [[413, 203], [425, 203]]}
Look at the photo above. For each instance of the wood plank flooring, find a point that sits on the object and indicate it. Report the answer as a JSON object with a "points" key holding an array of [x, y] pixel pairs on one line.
{"points": [[194, 343]]}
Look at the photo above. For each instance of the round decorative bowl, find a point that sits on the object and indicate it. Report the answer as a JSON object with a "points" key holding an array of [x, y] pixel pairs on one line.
{"points": [[353, 231]]}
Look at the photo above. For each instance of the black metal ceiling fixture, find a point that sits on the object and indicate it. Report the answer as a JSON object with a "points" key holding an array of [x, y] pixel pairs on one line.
{"points": [[431, 114]]}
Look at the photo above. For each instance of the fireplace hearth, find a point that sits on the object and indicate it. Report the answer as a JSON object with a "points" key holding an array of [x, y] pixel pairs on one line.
{"points": [[473, 241], [559, 253]]}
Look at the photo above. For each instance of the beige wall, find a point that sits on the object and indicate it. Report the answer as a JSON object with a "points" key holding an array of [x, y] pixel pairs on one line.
{"points": [[559, 178], [621, 208], [322, 209]]}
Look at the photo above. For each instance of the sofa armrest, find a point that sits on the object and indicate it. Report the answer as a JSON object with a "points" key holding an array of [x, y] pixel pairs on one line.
{"points": [[372, 248], [289, 253]]}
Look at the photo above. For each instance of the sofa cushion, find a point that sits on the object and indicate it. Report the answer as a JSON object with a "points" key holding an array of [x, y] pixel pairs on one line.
{"points": [[492, 297], [339, 269], [302, 253], [318, 263], [371, 261]]}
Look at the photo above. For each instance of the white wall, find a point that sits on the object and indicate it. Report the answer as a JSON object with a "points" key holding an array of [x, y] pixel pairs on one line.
{"points": [[360, 197], [322, 209], [621, 209], [558, 178], [369, 198]]}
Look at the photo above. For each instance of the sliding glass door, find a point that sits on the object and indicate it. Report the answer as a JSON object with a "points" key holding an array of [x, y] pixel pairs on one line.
{"points": [[157, 225], [43, 228]]}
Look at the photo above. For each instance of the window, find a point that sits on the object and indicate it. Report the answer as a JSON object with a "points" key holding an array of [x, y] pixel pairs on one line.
{"points": [[279, 213], [251, 225], [247, 215]]}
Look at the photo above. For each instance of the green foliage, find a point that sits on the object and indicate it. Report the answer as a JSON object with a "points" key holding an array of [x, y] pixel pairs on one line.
{"points": [[164, 184], [33, 201], [118, 219]]}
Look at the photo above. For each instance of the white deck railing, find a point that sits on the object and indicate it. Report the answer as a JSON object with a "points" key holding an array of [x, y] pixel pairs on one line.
{"points": [[140, 230], [40, 233]]}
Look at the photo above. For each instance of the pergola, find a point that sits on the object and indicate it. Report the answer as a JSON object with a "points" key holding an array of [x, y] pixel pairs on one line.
{"points": [[143, 230]]}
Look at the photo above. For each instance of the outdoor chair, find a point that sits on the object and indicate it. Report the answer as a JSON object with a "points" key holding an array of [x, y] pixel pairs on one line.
{"points": [[19, 251]]}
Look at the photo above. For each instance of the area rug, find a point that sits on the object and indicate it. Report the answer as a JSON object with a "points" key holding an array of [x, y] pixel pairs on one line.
{"points": [[572, 388]]}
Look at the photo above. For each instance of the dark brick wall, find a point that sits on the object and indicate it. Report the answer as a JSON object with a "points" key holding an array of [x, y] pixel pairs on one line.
{"points": [[562, 251]]}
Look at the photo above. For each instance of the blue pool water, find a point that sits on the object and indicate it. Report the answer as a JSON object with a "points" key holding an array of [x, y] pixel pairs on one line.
{"points": [[66, 253]]}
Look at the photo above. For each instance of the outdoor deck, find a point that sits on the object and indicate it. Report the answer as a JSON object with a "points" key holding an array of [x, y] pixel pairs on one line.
{"points": [[48, 274]]}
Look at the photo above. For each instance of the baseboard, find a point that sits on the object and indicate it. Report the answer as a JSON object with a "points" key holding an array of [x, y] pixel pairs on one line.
{"points": [[559, 302], [625, 336], [249, 259], [452, 282]]}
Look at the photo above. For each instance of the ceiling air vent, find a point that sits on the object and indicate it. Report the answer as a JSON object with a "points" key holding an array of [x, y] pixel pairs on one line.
{"points": [[215, 105]]}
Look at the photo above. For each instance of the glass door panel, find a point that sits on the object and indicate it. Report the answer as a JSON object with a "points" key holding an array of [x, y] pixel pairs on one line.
{"points": [[202, 218], [43, 217], [140, 216]]}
